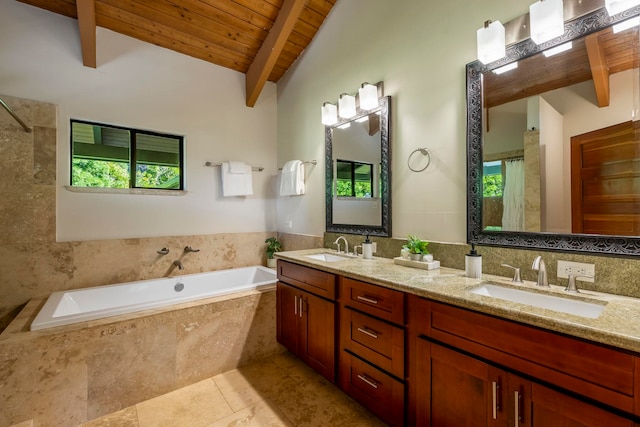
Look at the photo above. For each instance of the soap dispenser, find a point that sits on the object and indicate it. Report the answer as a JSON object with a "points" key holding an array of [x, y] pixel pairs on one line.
{"points": [[367, 249], [473, 263]]}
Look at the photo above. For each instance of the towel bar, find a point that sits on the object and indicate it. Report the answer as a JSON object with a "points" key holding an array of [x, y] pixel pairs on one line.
{"points": [[313, 162], [254, 168]]}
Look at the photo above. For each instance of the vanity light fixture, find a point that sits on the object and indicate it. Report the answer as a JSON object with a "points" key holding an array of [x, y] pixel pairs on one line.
{"points": [[345, 125], [616, 6], [491, 42], [546, 20], [346, 106], [625, 25], [329, 114], [505, 68], [368, 96], [558, 49]]}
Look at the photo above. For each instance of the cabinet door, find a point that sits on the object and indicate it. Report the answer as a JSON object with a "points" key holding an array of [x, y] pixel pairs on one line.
{"points": [[288, 317], [455, 390], [318, 335], [552, 408]]}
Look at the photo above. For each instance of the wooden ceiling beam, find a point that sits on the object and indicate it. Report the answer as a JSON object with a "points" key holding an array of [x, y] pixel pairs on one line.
{"points": [[268, 54], [86, 10], [599, 69]]}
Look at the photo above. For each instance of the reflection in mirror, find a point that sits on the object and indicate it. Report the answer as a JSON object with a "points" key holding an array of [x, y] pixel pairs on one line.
{"points": [[553, 157], [357, 156]]}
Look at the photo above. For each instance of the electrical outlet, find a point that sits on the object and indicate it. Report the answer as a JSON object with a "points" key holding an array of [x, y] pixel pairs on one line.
{"points": [[567, 267], [374, 247]]}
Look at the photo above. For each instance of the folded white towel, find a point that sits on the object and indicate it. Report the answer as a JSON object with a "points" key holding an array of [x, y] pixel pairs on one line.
{"points": [[292, 179], [236, 183]]}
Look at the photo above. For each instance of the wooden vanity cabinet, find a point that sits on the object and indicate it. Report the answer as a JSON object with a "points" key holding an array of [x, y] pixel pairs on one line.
{"points": [[454, 378], [372, 348], [306, 321]]}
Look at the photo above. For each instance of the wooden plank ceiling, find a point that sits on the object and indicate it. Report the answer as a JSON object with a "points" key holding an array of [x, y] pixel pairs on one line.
{"points": [[594, 57], [260, 38]]}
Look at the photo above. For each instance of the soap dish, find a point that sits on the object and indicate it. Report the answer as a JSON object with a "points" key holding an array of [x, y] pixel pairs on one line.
{"points": [[417, 264]]}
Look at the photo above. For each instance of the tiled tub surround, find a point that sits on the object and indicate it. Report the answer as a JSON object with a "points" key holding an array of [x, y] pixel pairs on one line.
{"points": [[619, 276], [615, 326], [67, 375]]}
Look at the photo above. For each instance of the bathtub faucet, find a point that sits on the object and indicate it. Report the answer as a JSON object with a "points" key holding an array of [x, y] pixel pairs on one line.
{"points": [[188, 249], [178, 264]]}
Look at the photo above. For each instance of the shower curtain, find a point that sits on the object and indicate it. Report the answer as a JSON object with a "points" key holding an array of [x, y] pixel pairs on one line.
{"points": [[513, 196]]}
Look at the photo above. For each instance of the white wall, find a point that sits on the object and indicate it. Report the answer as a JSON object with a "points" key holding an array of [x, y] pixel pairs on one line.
{"points": [[419, 49], [551, 171], [141, 85]]}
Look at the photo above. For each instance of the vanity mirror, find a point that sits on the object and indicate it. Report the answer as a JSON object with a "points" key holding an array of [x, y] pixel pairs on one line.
{"points": [[358, 174], [553, 161]]}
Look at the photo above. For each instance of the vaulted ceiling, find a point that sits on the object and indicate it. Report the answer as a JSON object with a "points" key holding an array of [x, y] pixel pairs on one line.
{"points": [[260, 38]]}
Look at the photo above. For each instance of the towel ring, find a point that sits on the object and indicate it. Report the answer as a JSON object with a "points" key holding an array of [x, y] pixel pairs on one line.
{"points": [[424, 152]]}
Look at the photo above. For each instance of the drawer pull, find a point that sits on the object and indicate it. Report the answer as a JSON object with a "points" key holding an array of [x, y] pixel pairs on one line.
{"points": [[369, 332], [367, 299], [370, 382], [295, 305]]}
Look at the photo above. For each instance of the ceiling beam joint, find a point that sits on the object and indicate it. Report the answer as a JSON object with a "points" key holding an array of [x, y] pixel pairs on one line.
{"points": [[265, 60], [86, 10], [599, 69]]}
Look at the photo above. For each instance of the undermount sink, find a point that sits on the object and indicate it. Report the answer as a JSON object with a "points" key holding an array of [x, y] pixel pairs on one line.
{"points": [[327, 257], [550, 302]]}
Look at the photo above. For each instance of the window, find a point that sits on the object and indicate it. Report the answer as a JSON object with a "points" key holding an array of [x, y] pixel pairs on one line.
{"points": [[105, 156], [492, 179], [354, 179]]}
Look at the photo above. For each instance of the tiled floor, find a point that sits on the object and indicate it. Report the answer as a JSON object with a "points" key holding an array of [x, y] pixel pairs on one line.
{"points": [[281, 391]]}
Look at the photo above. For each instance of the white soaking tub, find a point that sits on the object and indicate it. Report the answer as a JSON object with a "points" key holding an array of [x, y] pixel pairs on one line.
{"points": [[79, 305]]}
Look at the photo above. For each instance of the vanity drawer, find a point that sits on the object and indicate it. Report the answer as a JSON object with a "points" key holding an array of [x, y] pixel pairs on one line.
{"points": [[379, 342], [378, 392], [315, 281], [590, 369], [384, 303]]}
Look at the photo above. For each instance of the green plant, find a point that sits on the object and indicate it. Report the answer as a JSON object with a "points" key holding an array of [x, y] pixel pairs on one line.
{"points": [[416, 245], [273, 246]]}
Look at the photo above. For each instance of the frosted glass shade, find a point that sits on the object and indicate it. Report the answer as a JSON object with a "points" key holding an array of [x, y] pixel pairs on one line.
{"points": [[547, 20], [616, 6], [368, 95], [491, 42], [329, 114], [347, 106]]}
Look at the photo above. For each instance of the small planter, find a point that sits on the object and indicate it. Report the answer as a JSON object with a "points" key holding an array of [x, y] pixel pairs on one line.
{"points": [[272, 262], [415, 257]]}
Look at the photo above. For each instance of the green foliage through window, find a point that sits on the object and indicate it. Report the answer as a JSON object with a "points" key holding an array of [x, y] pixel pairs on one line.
{"points": [[354, 179], [104, 155]]}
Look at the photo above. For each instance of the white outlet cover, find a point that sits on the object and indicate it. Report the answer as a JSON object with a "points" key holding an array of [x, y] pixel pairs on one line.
{"points": [[568, 267]]}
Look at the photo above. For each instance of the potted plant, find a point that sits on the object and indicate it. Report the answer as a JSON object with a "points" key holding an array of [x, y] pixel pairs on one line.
{"points": [[273, 246], [417, 247]]}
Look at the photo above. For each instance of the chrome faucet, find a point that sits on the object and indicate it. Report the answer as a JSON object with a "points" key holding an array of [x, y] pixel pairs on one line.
{"points": [[178, 264], [541, 268], [346, 244]]}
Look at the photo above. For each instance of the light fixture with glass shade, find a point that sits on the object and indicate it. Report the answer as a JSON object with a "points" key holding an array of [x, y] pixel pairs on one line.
{"points": [[346, 106], [329, 114], [616, 6], [546, 20], [368, 96], [491, 42]]}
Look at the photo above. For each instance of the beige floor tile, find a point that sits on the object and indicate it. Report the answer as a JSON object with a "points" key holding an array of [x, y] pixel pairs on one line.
{"points": [[127, 417], [23, 424], [262, 414], [199, 404], [294, 366], [316, 402], [253, 383]]}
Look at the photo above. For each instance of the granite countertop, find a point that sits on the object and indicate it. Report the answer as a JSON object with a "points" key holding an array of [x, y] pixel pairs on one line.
{"points": [[617, 326]]}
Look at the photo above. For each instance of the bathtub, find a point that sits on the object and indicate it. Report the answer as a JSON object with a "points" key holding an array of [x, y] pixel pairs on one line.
{"points": [[79, 305]]}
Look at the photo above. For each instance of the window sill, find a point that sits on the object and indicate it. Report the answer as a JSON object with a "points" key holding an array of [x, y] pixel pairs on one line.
{"points": [[136, 191]]}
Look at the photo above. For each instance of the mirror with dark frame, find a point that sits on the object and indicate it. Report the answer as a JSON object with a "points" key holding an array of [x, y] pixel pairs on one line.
{"points": [[553, 154], [358, 174]]}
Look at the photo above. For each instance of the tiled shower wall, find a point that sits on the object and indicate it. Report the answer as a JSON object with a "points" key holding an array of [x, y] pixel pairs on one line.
{"points": [[33, 264]]}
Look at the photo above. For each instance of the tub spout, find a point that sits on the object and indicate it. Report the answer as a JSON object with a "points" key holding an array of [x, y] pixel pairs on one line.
{"points": [[178, 264]]}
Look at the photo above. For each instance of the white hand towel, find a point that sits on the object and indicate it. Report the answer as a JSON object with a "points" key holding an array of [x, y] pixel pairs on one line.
{"points": [[236, 183], [292, 179]]}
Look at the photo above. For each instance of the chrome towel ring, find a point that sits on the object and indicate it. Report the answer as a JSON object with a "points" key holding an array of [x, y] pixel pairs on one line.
{"points": [[424, 152]]}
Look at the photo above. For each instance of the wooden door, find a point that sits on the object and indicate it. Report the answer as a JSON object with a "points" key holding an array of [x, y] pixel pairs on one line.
{"points": [[605, 181], [459, 391], [318, 334], [287, 317], [552, 408]]}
